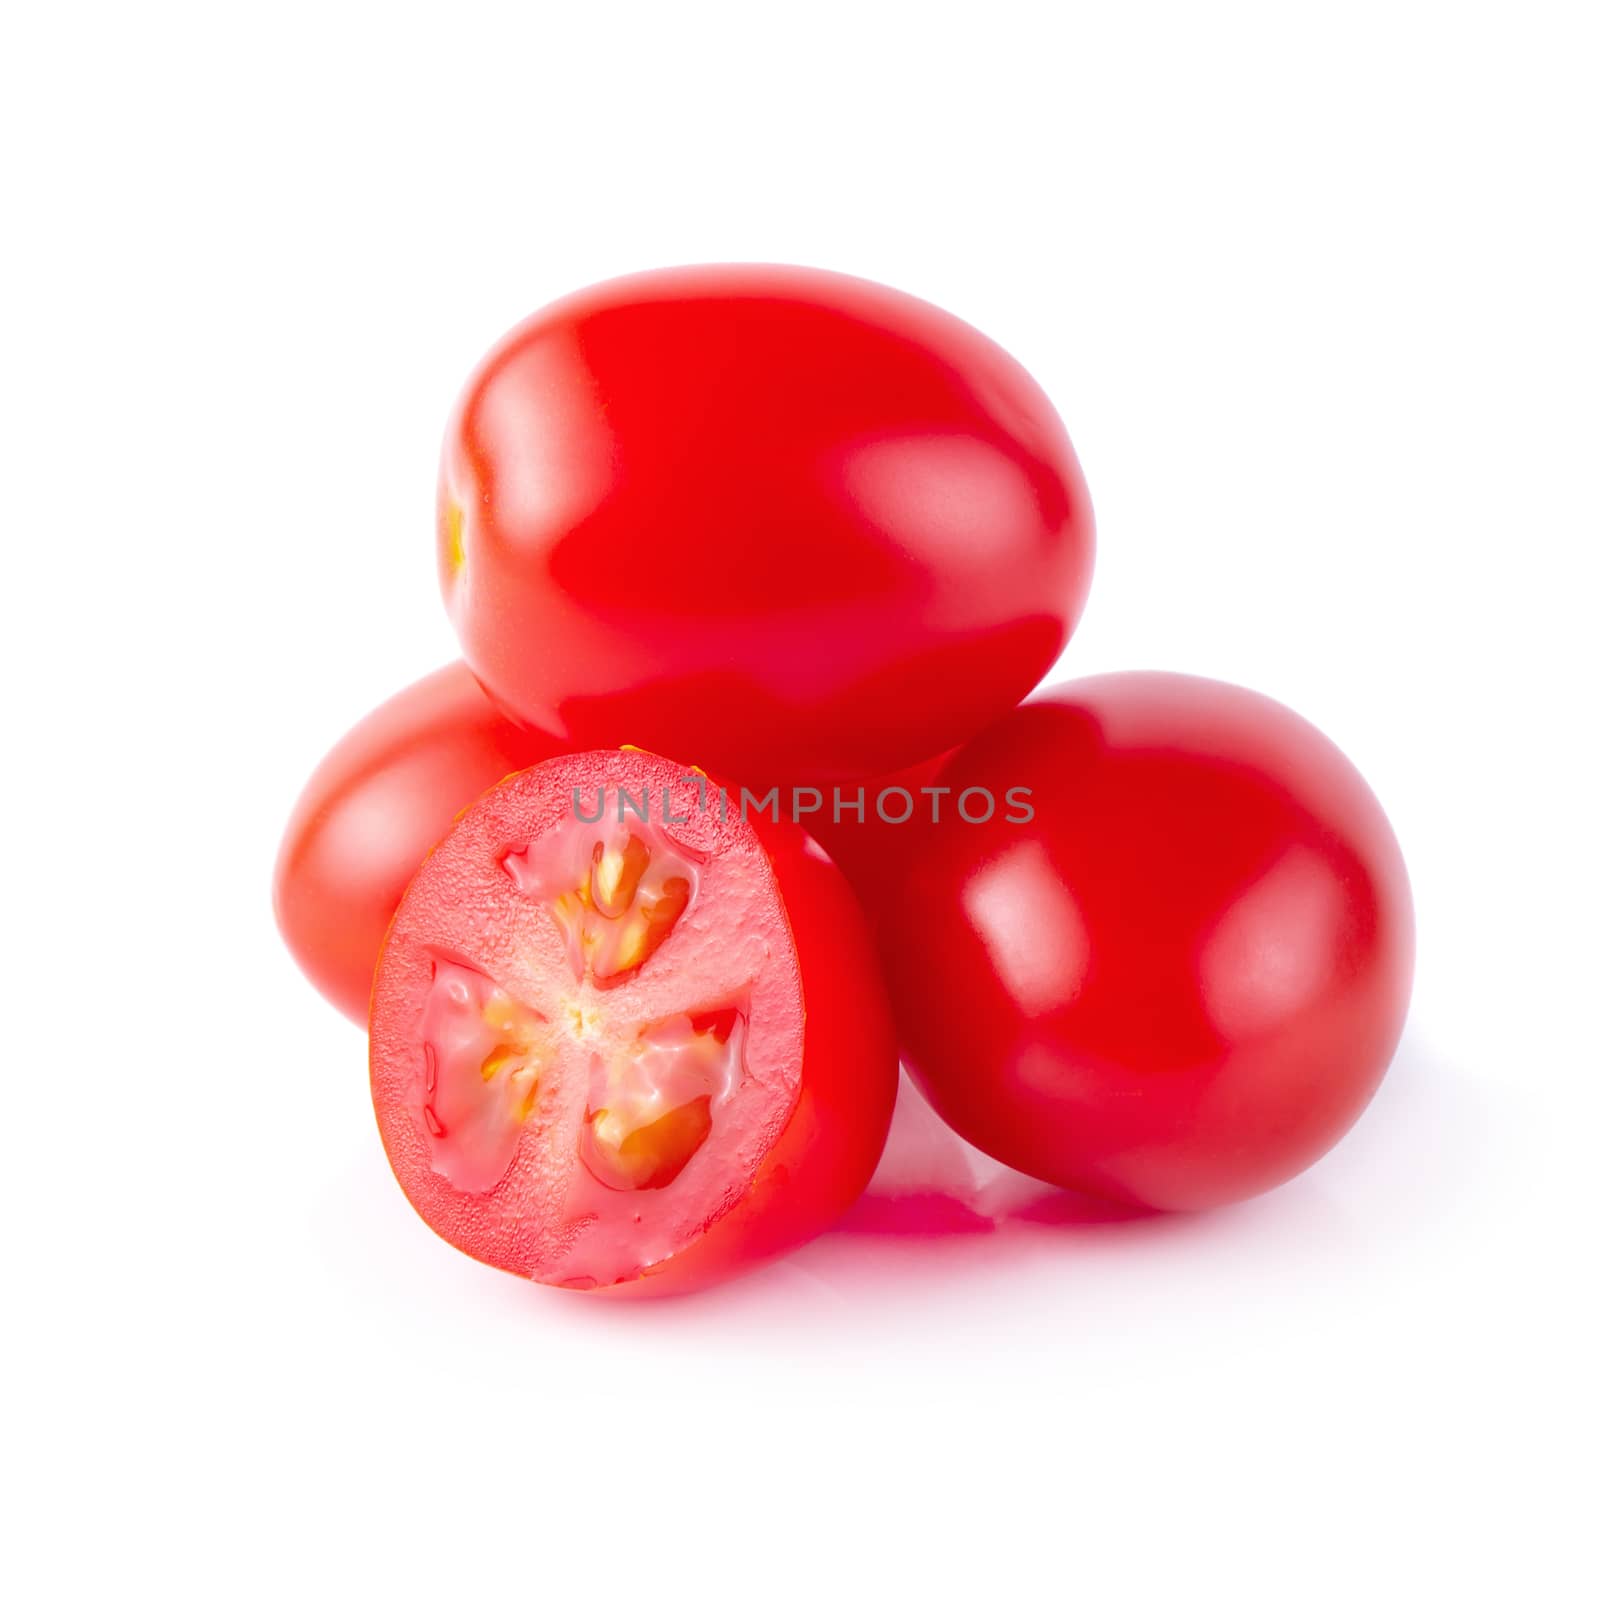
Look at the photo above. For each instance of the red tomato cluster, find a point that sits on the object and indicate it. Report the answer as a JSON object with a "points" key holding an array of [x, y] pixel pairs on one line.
{"points": [[633, 1027]]}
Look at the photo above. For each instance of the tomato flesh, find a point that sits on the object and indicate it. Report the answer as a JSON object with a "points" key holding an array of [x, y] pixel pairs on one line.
{"points": [[591, 1028]]}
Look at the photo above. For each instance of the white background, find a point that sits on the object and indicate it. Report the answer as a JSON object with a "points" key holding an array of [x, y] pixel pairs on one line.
{"points": [[1315, 289]]}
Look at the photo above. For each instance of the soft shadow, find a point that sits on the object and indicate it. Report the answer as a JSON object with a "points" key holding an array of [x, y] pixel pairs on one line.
{"points": [[1427, 1121], [938, 1208]]}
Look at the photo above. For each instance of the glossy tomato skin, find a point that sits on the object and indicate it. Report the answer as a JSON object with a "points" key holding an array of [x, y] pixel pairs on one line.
{"points": [[374, 807], [1182, 980], [827, 1152], [784, 523]]}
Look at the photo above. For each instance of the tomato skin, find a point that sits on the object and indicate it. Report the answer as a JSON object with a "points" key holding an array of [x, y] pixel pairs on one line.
{"points": [[785, 523], [375, 806], [1181, 982]]}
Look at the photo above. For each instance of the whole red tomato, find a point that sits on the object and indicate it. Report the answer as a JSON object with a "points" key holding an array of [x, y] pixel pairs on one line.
{"points": [[1180, 979], [781, 522], [622, 1039], [378, 803]]}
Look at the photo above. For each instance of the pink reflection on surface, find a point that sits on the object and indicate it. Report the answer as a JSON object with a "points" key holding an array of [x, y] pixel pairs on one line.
{"points": [[932, 1184]]}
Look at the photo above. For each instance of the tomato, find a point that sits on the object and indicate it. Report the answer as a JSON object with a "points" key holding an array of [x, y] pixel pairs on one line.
{"points": [[380, 800], [622, 1040], [1179, 981], [783, 522]]}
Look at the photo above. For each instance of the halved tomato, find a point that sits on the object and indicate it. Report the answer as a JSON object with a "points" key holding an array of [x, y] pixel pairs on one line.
{"points": [[624, 1036]]}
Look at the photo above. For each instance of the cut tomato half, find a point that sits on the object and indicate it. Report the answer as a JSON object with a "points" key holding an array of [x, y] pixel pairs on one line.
{"points": [[622, 1034]]}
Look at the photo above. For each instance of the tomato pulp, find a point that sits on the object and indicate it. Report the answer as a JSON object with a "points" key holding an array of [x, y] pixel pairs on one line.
{"points": [[377, 803], [1182, 978], [788, 523], [620, 1038]]}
